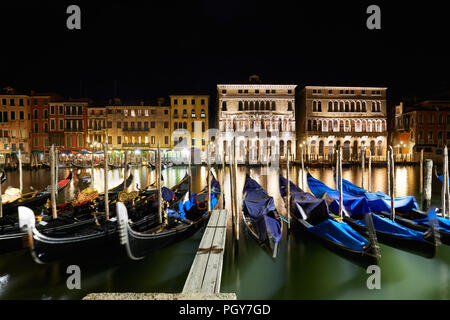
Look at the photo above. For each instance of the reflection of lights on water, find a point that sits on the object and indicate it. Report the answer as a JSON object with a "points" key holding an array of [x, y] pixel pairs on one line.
{"points": [[401, 181]]}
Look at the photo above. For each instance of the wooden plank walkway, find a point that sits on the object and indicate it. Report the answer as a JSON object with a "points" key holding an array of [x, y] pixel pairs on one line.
{"points": [[206, 270]]}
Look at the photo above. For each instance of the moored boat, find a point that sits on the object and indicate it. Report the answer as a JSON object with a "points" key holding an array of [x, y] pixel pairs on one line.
{"points": [[184, 217], [103, 234], [261, 217], [312, 215], [388, 231]]}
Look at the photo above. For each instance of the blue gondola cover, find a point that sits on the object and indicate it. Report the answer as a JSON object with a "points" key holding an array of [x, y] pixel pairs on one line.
{"points": [[259, 205]]}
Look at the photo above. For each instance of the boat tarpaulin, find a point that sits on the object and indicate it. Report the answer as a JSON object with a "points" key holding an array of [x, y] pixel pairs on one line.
{"points": [[167, 194], [317, 214], [388, 226], [341, 233], [380, 201], [354, 205], [260, 207]]}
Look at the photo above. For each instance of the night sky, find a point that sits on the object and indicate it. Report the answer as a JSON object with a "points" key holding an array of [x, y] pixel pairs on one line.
{"points": [[156, 48]]}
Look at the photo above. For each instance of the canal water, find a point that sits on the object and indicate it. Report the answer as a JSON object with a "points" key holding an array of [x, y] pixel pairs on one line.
{"points": [[303, 268]]}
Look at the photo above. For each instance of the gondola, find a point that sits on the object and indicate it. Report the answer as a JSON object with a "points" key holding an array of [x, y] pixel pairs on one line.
{"points": [[312, 215], [389, 232], [45, 165], [407, 212], [113, 166], [35, 199], [102, 235], [261, 217], [82, 166], [71, 216], [2, 175], [184, 217]]}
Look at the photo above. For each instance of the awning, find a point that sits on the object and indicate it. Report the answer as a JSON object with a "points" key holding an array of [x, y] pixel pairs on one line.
{"points": [[68, 152]]}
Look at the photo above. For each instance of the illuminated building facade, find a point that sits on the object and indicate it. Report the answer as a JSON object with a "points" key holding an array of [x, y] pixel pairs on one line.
{"points": [[351, 117], [261, 116]]}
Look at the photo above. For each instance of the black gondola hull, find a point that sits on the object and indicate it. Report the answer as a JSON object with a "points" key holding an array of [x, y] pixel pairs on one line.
{"points": [[364, 259], [424, 248]]}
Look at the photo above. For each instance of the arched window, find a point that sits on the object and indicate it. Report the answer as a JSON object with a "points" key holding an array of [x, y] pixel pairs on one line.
{"points": [[379, 148], [313, 147], [309, 125], [314, 108], [358, 106], [240, 105], [352, 106], [319, 106], [257, 106], [330, 106], [246, 105], [251, 106], [185, 125], [378, 106], [314, 125], [373, 106], [372, 147], [336, 107], [175, 125], [289, 106], [341, 106], [321, 148], [224, 106], [273, 105], [267, 106], [364, 109]]}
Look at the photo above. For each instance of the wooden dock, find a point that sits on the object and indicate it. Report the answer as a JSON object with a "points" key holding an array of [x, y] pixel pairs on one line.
{"points": [[203, 281], [206, 270]]}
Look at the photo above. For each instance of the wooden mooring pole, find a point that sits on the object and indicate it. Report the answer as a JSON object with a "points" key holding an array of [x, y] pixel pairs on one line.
{"points": [[53, 185], [288, 194], [421, 171], [209, 177], [236, 209], [392, 183], [363, 166], [105, 148], [427, 186], [20, 173], [341, 204], [369, 178], [388, 163], [158, 178]]}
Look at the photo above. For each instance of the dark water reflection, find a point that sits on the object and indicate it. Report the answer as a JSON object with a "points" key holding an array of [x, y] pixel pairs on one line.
{"points": [[303, 269]]}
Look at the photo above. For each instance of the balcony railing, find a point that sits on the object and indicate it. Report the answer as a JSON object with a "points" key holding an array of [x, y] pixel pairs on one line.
{"points": [[135, 129], [136, 145]]}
